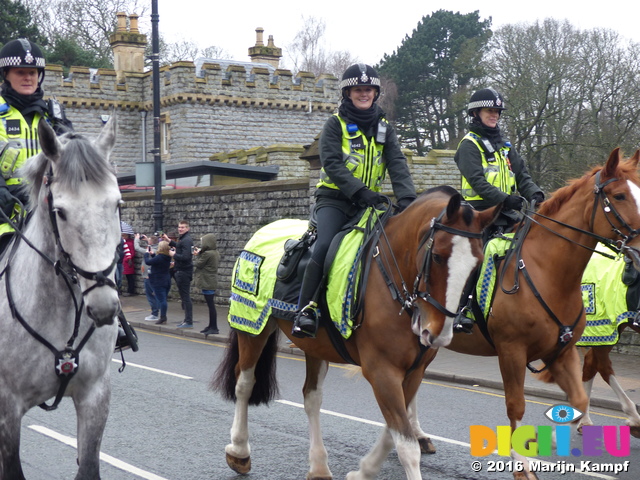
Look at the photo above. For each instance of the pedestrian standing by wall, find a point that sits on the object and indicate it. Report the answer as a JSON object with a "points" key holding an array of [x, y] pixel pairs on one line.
{"points": [[160, 278], [205, 264], [145, 269], [183, 270]]}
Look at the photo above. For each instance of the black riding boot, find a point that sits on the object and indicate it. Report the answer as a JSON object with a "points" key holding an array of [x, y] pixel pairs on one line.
{"points": [[462, 323], [306, 322]]}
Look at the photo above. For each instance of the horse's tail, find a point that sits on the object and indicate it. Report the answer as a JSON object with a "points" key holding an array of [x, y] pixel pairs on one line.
{"points": [[266, 386]]}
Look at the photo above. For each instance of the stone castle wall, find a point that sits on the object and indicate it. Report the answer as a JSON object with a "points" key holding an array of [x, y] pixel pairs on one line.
{"points": [[208, 111]]}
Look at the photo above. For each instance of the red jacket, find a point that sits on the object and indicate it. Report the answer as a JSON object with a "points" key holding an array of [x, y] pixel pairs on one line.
{"points": [[129, 254]]}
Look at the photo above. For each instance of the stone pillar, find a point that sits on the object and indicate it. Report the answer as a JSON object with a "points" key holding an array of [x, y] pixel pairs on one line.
{"points": [[265, 54], [128, 46]]}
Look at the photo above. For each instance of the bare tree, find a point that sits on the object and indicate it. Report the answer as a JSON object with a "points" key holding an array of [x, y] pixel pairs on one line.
{"points": [[569, 98], [308, 54]]}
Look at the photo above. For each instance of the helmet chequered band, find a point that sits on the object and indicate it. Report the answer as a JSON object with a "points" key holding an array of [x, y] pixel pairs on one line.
{"points": [[484, 104], [36, 62], [353, 81]]}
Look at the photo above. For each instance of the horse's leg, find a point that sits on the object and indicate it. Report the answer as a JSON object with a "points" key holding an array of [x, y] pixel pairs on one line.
{"points": [[391, 389], [426, 445], [312, 391], [589, 370], [566, 372], [250, 350], [92, 410], [10, 441], [602, 361], [512, 367]]}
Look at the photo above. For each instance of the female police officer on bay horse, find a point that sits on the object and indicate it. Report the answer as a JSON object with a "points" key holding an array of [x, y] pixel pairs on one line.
{"points": [[357, 147]]}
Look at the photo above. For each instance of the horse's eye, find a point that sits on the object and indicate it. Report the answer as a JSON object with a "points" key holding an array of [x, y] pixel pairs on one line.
{"points": [[61, 214], [437, 258], [619, 197]]}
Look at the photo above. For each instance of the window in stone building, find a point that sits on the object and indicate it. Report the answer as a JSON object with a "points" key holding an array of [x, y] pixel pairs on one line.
{"points": [[165, 136]]}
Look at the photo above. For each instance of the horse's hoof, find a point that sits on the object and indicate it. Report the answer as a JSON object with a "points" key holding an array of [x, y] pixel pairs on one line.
{"points": [[319, 478], [239, 465], [635, 431], [525, 476], [426, 445]]}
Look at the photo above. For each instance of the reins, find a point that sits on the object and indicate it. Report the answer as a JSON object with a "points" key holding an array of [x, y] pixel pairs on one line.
{"points": [[515, 250], [66, 361]]}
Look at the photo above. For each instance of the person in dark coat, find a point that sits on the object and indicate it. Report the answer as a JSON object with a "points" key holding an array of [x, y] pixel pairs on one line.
{"points": [[205, 264], [183, 270], [358, 147], [160, 278]]}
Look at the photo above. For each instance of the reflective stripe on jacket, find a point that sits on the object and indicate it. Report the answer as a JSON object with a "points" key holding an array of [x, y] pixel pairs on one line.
{"points": [[362, 156], [497, 170]]}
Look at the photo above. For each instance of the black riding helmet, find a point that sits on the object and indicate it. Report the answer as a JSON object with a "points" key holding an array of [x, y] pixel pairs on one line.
{"points": [[22, 53], [485, 98], [359, 74]]}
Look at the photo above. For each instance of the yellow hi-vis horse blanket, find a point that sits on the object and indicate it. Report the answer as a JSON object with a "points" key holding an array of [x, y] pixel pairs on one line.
{"points": [[605, 299], [254, 277]]}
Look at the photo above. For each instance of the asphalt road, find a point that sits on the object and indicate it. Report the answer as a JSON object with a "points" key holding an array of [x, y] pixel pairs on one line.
{"points": [[166, 424]]}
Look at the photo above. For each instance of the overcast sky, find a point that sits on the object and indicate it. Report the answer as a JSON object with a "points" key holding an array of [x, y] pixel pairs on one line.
{"points": [[367, 30]]}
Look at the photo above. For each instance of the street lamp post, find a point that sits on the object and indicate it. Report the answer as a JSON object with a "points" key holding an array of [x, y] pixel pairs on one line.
{"points": [[157, 161]]}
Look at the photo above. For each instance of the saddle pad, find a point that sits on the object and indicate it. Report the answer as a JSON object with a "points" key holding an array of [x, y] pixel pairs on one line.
{"points": [[254, 277], [494, 250], [605, 300]]}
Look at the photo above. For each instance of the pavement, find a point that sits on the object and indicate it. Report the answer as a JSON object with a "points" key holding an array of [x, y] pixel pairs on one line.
{"points": [[448, 366]]}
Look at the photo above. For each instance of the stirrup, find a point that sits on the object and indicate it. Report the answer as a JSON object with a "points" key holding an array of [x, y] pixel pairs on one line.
{"points": [[462, 323], [306, 322]]}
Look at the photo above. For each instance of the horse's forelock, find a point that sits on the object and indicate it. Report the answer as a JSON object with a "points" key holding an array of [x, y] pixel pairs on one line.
{"points": [[80, 162]]}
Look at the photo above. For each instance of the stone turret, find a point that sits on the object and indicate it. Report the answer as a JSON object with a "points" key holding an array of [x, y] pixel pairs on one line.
{"points": [[265, 54], [128, 46]]}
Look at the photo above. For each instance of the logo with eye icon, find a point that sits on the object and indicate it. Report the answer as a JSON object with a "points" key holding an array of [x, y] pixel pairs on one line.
{"points": [[563, 414]]}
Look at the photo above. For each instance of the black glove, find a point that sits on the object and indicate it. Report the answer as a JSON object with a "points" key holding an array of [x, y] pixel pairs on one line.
{"points": [[537, 197], [6, 202], [367, 198], [513, 202], [404, 203]]}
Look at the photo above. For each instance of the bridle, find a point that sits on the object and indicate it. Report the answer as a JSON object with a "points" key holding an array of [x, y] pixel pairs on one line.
{"points": [[67, 359], [407, 300], [424, 273], [600, 197]]}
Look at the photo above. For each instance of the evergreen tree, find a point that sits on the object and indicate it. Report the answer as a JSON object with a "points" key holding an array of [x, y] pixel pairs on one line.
{"points": [[17, 22], [433, 70]]}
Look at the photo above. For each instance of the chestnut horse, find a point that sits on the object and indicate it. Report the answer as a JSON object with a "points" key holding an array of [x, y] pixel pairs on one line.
{"points": [[611, 290], [538, 312], [435, 243]]}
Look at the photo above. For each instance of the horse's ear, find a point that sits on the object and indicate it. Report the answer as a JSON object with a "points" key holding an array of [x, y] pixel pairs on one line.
{"points": [[107, 138], [634, 160], [453, 206], [609, 169], [48, 141]]}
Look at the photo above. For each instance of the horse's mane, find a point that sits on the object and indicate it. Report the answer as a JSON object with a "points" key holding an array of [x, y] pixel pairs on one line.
{"points": [[563, 194], [79, 162]]}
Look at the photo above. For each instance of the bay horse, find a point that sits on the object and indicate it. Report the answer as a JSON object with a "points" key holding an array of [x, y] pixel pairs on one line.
{"points": [[437, 242], [542, 316], [57, 294], [611, 291]]}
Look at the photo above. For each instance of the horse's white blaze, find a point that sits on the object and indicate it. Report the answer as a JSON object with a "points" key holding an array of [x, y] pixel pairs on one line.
{"points": [[635, 191], [461, 264]]}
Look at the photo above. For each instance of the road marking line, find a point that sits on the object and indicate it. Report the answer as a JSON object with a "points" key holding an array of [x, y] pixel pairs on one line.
{"points": [[440, 439], [153, 369], [103, 456]]}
